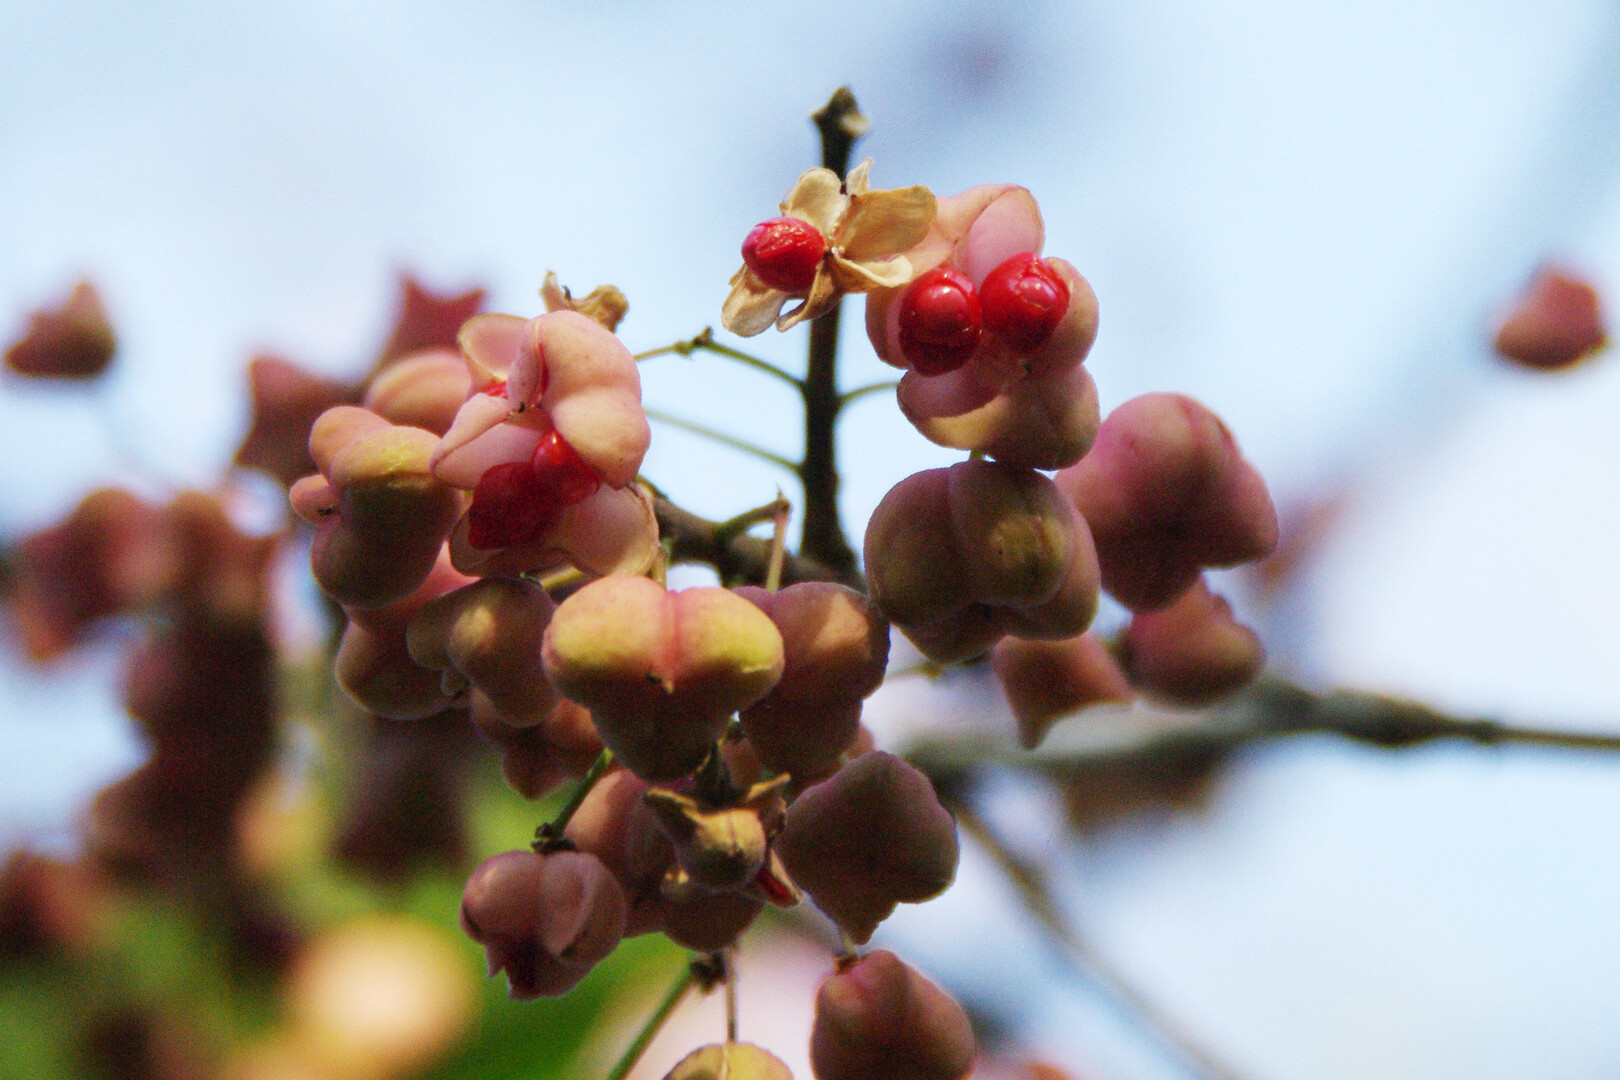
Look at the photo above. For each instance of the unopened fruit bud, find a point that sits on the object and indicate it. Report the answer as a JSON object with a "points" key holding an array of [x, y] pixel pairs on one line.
{"points": [[660, 671], [1046, 681], [1167, 492], [545, 920], [879, 1017], [836, 647], [1193, 652], [869, 837]]}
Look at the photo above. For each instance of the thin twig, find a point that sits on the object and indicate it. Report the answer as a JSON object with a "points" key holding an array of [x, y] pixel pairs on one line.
{"points": [[549, 836], [1271, 709], [729, 956], [739, 523], [773, 572], [705, 341], [739, 558], [870, 388], [734, 443], [1037, 896], [840, 123], [644, 1037]]}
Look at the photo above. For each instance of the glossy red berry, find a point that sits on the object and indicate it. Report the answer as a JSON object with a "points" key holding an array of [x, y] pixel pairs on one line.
{"points": [[561, 472], [784, 253], [510, 508], [1024, 299], [940, 321], [516, 501]]}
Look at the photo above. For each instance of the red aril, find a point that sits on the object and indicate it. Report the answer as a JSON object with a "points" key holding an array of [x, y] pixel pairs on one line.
{"points": [[1024, 299], [510, 507], [559, 470], [784, 253], [940, 321]]}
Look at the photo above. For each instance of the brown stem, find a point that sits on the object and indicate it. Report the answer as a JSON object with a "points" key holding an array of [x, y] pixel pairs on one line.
{"points": [[739, 559], [840, 123], [1271, 709]]}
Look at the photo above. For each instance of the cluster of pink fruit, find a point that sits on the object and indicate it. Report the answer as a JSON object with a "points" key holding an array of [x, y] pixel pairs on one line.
{"points": [[444, 499]]}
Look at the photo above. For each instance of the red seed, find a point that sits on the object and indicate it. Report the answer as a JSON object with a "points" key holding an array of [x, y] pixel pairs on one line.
{"points": [[940, 321], [1024, 300], [559, 470], [784, 253], [510, 507]]}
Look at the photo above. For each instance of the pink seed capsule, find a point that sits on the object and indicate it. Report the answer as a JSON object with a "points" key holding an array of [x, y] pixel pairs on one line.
{"points": [[940, 321], [871, 836], [1555, 323], [784, 253], [1024, 300], [879, 1017]]}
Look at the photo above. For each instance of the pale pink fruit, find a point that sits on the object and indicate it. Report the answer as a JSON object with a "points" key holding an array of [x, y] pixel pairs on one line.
{"points": [[661, 671], [1193, 652], [880, 1019], [1016, 394], [615, 824], [380, 515], [1046, 681], [836, 647], [867, 838], [560, 377], [374, 665], [424, 390], [545, 920], [287, 400], [959, 557], [74, 341], [485, 637], [535, 759], [1166, 493], [1556, 322]]}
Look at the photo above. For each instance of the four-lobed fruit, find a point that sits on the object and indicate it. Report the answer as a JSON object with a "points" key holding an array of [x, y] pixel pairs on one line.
{"points": [[660, 671]]}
